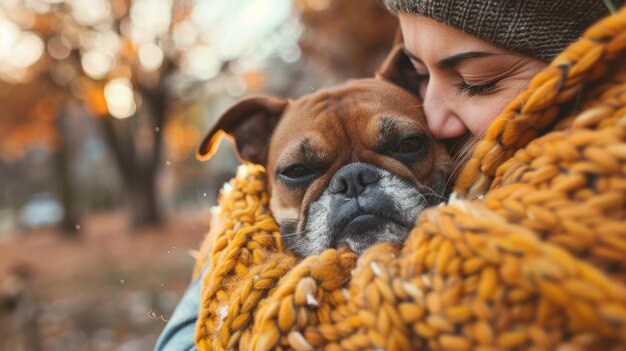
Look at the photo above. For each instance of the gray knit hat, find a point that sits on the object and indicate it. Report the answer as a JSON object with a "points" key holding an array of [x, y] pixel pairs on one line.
{"points": [[538, 28]]}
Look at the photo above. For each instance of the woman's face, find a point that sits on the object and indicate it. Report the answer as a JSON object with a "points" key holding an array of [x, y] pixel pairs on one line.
{"points": [[464, 81]]}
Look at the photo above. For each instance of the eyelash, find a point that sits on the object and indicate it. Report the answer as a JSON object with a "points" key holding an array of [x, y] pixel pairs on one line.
{"points": [[468, 89], [475, 89]]}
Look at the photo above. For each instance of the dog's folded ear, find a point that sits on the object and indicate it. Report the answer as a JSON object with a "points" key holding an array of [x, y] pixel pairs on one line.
{"points": [[398, 69], [250, 122]]}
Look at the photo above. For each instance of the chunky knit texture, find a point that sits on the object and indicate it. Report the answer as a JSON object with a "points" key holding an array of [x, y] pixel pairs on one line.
{"points": [[538, 28], [533, 257]]}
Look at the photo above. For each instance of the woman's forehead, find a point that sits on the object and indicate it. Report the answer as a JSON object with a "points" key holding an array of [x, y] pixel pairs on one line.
{"points": [[425, 37]]}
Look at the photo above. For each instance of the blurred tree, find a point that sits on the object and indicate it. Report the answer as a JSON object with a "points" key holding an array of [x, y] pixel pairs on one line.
{"points": [[346, 38], [132, 64]]}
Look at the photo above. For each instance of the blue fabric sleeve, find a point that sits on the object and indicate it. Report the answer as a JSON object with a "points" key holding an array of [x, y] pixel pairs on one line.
{"points": [[178, 334]]}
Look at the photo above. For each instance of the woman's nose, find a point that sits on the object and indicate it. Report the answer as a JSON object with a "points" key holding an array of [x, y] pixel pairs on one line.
{"points": [[442, 120]]}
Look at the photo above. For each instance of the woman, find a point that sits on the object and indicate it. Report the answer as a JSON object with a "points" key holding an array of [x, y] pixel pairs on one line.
{"points": [[469, 60], [473, 57]]}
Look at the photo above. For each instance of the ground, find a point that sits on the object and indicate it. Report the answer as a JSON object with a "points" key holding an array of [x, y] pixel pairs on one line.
{"points": [[108, 289]]}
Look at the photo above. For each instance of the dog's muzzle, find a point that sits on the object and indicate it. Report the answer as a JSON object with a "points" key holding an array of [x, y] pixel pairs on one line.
{"points": [[362, 207], [362, 204]]}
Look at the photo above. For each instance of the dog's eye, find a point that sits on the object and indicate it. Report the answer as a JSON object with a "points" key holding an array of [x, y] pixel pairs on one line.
{"points": [[410, 145], [296, 172], [299, 174]]}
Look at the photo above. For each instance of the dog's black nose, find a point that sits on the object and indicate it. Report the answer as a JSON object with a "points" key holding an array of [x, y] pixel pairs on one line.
{"points": [[353, 179]]}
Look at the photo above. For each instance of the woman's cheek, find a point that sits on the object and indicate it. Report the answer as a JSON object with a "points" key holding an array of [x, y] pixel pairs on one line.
{"points": [[484, 110]]}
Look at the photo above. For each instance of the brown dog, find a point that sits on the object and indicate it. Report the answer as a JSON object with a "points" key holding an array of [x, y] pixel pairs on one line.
{"points": [[351, 165]]}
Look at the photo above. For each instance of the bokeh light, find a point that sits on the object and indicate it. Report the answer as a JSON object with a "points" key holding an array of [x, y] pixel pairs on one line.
{"points": [[9, 33], [150, 57], [97, 64], [26, 50], [18, 51], [91, 12], [200, 61], [59, 48], [184, 34], [38, 6], [119, 96], [150, 19]]}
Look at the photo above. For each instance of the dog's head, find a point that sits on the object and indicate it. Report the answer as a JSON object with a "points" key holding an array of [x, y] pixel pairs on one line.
{"points": [[347, 166]]}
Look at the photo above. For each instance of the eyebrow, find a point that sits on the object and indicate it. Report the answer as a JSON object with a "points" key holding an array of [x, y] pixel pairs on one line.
{"points": [[391, 129], [454, 60], [387, 129], [307, 153], [306, 150]]}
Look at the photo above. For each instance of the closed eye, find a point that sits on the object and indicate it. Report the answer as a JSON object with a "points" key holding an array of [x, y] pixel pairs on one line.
{"points": [[298, 174], [476, 89]]}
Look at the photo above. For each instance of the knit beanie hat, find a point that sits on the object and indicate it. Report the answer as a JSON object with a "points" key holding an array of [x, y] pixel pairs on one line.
{"points": [[537, 28]]}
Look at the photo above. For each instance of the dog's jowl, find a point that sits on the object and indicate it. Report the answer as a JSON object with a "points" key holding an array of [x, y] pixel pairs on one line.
{"points": [[347, 166]]}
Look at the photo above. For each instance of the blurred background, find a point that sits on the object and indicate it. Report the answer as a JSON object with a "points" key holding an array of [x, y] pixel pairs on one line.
{"points": [[102, 104]]}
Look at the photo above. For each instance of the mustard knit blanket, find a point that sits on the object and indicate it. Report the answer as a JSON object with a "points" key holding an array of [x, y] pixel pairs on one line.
{"points": [[529, 255]]}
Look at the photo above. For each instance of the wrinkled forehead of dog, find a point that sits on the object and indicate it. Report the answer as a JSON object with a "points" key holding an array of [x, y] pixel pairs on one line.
{"points": [[352, 104], [356, 114]]}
